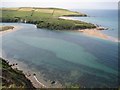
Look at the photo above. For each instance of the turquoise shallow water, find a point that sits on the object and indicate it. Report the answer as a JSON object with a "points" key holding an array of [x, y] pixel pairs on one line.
{"points": [[67, 57], [105, 18]]}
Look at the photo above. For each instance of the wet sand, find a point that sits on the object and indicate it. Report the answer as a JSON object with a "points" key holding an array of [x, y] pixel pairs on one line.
{"points": [[10, 30], [98, 34], [94, 32]]}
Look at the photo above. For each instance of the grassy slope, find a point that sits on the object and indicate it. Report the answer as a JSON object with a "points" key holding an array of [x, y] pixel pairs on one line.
{"points": [[45, 18], [38, 13], [57, 11], [13, 78]]}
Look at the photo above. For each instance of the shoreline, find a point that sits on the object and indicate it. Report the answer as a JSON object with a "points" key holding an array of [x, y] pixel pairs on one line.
{"points": [[29, 74], [98, 34], [32, 74], [21, 66], [10, 30], [95, 32]]}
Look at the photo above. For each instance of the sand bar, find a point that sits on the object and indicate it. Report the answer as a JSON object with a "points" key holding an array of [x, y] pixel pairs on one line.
{"points": [[98, 34], [10, 30], [94, 32]]}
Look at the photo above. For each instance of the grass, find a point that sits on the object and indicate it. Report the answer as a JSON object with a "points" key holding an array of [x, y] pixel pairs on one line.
{"points": [[45, 18]]}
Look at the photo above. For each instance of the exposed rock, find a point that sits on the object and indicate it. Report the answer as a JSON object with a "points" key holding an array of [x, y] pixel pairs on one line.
{"points": [[102, 28]]}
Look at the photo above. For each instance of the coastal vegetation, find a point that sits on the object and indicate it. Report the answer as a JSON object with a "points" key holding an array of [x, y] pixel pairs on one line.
{"points": [[45, 18], [13, 78]]}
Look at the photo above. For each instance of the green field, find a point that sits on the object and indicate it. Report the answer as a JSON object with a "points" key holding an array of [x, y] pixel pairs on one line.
{"points": [[45, 18]]}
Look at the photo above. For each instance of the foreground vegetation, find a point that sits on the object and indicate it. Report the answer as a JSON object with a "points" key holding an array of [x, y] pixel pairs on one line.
{"points": [[13, 78], [45, 18]]}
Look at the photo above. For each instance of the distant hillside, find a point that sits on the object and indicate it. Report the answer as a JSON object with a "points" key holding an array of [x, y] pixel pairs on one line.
{"points": [[13, 78], [57, 11], [47, 18]]}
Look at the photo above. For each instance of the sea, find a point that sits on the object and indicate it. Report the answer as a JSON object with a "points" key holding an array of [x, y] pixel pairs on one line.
{"points": [[104, 18], [70, 58]]}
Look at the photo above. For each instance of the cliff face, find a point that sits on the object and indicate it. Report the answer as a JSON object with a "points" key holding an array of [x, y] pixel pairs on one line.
{"points": [[13, 78]]}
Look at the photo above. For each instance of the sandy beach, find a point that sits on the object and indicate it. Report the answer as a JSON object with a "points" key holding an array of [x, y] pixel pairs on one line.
{"points": [[69, 18], [94, 32], [98, 34], [10, 30]]}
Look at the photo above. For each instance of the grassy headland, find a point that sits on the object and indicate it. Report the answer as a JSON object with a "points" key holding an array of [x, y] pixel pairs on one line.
{"points": [[45, 18], [13, 78]]}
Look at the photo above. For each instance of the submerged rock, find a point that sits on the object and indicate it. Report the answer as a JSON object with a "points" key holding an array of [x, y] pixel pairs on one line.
{"points": [[53, 82]]}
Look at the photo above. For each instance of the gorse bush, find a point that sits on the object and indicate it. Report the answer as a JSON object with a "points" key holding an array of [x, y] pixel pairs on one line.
{"points": [[61, 24]]}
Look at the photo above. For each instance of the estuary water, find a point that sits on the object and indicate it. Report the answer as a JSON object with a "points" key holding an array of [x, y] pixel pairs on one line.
{"points": [[104, 18], [67, 57]]}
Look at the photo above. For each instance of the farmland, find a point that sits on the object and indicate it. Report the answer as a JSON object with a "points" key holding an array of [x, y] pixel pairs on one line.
{"points": [[47, 18]]}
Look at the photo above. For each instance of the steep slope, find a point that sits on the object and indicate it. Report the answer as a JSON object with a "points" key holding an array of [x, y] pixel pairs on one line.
{"points": [[13, 78]]}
